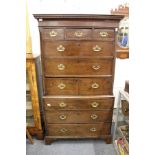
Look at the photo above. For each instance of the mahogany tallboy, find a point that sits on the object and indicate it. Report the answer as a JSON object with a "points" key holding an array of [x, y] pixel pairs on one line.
{"points": [[78, 64]]}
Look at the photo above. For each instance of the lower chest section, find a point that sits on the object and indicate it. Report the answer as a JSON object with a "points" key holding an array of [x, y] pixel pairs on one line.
{"points": [[78, 116]]}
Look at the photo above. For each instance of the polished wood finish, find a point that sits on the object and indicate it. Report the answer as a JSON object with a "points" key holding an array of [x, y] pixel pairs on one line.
{"points": [[92, 130], [78, 103], [78, 86], [78, 116], [78, 63], [77, 48], [76, 66], [31, 70]]}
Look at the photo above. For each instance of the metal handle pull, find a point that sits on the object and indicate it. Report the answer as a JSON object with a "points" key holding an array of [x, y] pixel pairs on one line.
{"points": [[96, 67], [48, 104], [53, 33], [60, 48], [103, 34], [62, 117], [93, 129], [95, 85], [97, 48], [94, 104], [78, 34], [63, 130], [94, 116], [62, 105], [61, 67], [61, 86]]}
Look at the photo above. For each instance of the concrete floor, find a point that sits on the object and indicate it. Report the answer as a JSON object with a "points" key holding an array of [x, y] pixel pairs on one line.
{"points": [[70, 147]]}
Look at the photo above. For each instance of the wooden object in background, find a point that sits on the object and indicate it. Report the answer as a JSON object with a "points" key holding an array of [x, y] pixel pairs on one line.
{"points": [[28, 35], [33, 108], [29, 136], [78, 64], [122, 53]]}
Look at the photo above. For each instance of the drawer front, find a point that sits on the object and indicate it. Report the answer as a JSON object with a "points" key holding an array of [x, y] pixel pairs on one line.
{"points": [[78, 86], [103, 34], [78, 104], [83, 48], [78, 116], [95, 86], [78, 67], [52, 34], [78, 34], [63, 86], [92, 130]]}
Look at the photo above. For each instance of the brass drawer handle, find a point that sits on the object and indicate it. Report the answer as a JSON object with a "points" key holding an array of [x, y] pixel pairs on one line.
{"points": [[53, 33], [61, 86], [63, 130], [95, 85], [97, 48], [48, 104], [94, 104], [96, 67], [94, 116], [61, 67], [60, 48], [93, 129], [78, 34], [62, 117], [103, 34], [62, 105]]}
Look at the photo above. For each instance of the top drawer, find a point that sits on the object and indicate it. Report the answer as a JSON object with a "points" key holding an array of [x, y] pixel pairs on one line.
{"points": [[52, 34], [78, 34], [103, 34]]}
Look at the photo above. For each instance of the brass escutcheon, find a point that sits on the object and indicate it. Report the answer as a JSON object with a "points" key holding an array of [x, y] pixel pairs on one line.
{"points": [[62, 105], [97, 48], [94, 104], [62, 117], [78, 34], [60, 48], [53, 33], [103, 34], [95, 85], [96, 67], [61, 86], [63, 130], [94, 116], [93, 129], [61, 67]]}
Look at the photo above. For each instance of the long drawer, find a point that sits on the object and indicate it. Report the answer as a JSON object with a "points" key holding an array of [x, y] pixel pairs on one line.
{"points": [[78, 86], [77, 48], [81, 130], [78, 116], [83, 66], [80, 103]]}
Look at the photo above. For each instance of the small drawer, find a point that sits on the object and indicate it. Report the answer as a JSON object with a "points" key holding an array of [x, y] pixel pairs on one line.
{"points": [[52, 34], [78, 48], [95, 86], [103, 34], [82, 66], [78, 116], [80, 130], [78, 34], [61, 86], [78, 103]]}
